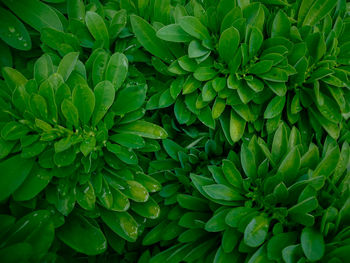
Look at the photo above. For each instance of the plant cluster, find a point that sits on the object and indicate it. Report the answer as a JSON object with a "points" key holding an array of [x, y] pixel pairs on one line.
{"points": [[174, 131]]}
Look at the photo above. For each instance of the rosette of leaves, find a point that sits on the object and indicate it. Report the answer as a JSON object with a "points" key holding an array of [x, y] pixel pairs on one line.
{"points": [[319, 55], [278, 200], [66, 144], [224, 60], [287, 192], [252, 59], [179, 232]]}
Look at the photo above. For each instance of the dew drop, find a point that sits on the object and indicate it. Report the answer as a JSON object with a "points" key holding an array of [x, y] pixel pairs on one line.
{"points": [[25, 44], [12, 29], [20, 38]]}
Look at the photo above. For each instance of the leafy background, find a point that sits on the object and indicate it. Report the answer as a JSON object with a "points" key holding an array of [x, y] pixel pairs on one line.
{"points": [[174, 131]]}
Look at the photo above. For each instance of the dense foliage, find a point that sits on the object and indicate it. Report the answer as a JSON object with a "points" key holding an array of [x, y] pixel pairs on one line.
{"points": [[174, 131]]}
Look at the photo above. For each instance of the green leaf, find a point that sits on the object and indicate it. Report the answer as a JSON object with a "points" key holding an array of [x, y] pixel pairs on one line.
{"points": [[5, 148], [248, 161], [13, 78], [146, 35], [196, 50], [43, 68], [204, 73], [143, 129], [312, 244], [118, 23], [173, 33], [328, 164], [218, 108], [14, 171], [128, 140], [275, 107], [290, 253], [35, 13], [278, 242], [13, 32], [117, 69], [65, 158], [97, 28], [13, 130], [36, 181], [304, 206], [232, 174], [256, 231], [279, 143], [149, 209], [217, 222], [104, 93], [34, 149], [67, 64], [194, 27], [86, 197], [315, 12], [206, 117], [290, 165], [222, 192], [192, 202], [84, 100], [88, 145], [47, 90], [122, 223], [172, 149], [129, 99], [124, 154], [261, 67], [275, 75], [281, 25], [182, 113], [70, 112], [228, 44], [76, 9], [255, 41], [237, 126], [230, 239], [82, 235]]}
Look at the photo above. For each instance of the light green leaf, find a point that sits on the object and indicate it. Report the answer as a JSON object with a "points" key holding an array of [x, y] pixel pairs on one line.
{"points": [[84, 100], [312, 244], [67, 64], [256, 231], [194, 27], [228, 44], [117, 69], [97, 28], [146, 35], [129, 99], [104, 97], [173, 33]]}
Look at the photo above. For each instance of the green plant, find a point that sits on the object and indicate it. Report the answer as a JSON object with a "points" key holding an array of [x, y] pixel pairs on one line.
{"points": [[174, 131], [79, 145], [277, 201], [262, 63]]}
